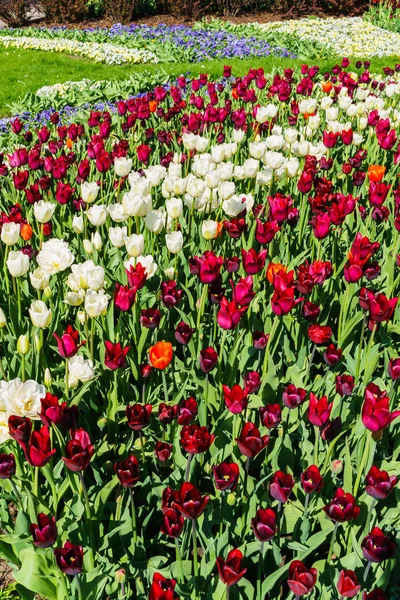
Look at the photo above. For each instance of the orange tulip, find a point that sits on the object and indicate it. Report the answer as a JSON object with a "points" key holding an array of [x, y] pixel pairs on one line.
{"points": [[235, 94], [69, 143], [376, 173], [153, 105], [273, 269], [327, 86], [26, 232], [161, 355]]}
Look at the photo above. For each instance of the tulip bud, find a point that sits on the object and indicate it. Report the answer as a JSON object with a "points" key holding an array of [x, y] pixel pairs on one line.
{"points": [[47, 292], [101, 423], [170, 273], [120, 576], [23, 345], [38, 343], [336, 467], [3, 319], [77, 224], [48, 380], [81, 317], [87, 245], [231, 499], [97, 241]]}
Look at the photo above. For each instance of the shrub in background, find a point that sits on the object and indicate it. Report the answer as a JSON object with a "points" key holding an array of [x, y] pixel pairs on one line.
{"points": [[120, 11], [13, 12], [64, 11]]}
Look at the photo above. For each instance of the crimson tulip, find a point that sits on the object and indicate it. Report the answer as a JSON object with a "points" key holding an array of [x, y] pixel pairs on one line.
{"points": [[38, 450], [319, 410], [301, 580], [236, 399], [44, 533], [69, 558], [342, 507], [138, 415], [281, 486], [127, 471], [379, 484], [79, 451], [162, 588], [347, 584], [264, 524], [319, 334], [187, 411], [231, 570], [190, 503], [250, 441], [226, 476], [271, 415], [311, 480], [68, 343], [172, 524], [7, 466], [115, 357], [376, 547], [195, 439], [208, 360], [20, 428]]}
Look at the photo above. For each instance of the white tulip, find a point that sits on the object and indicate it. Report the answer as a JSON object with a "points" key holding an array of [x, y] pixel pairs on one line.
{"points": [[189, 140], [273, 160], [174, 207], [257, 149], [3, 320], [80, 369], [212, 179], [201, 144], [97, 214], [40, 315], [18, 263], [147, 263], [209, 229], [155, 221], [225, 170], [226, 190], [10, 233], [274, 142], [238, 135], [89, 191], [96, 303], [122, 166], [77, 224], [97, 241], [55, 256], [195, 187], [117, 213], [174, 242], [88, 246], [135, 205], [117, 236], [74, 298], [265, 176], [238, 203], [134, 244], [265, 113], [86, 276], [39, 279], [22, 398], [251, 167], [43, 211]]}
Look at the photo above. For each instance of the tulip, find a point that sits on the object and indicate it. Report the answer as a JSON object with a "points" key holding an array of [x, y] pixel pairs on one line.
{"points": [[342, 507], [208, 360], [235, 399], [231, 570], [40, 315], [264, 524], [171, 295], [344, 384], [51, 410], [226, 476], [319, 411], [10, 233], [195, 439], [311, 480], [190, 503], [187, 410], [332, 355], [150, 318], [134, 245], [127, 471], [293, 397], [162, 588], [250, 441], [7, 466], [44, 533], [183, 333], [18, 263], [69, 558], [79, 451], [376, 547], [375, 414], [376, 594], [38, 450], [172, 524], [270, 415], [281, 486], [160, 355], [319, 334], [163, 451], [394, 368], [174, 242], [301, 580], [115, 357], [260, 340], [379, 484], [68, 343], [138, 415], [19, 428]]}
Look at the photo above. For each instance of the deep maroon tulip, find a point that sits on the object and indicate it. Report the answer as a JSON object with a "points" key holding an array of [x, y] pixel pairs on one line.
{"points": [[195, 439], [342, 508], [319, 334], [167, 413], [171, 295], [7, 466], [281, 486], [44, 533], [379, 484], [311, 311], [127, 471], [70, 416], [183, 333], [19, 428], [293, 397], [376, 594], [169, 496], [332, 355], [260, 340], [115, 357], [231, 570], [51, 410], [187, 411], [172, 524], [252, 381], [69, 558], [347, 584], [250, 441], [311, 480], [79, 451], [264, 524], [208, 360], [394, 368], [301, 580], [190, 503], [376, 547], [331, 429], [38, 450], [150, 318], [226, 476], [138, 415], [319, 410], [236, 399], [162, 588], [163, 451], [344, 384], [271, 415], [375, 413], [68, 343]]}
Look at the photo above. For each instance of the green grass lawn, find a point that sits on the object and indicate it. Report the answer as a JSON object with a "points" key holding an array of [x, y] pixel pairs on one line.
{"points": [[24, 71]]}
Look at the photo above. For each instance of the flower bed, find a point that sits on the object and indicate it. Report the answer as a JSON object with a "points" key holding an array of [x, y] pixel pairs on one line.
{"points": [[199, 324], [352, 36], [168, 43]]}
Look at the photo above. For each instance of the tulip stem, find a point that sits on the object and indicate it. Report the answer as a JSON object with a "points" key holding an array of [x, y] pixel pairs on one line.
{"points": [[88, 518], [316, 444], [260, 570], [310, 362], [142, 447], [16, 493], [6, 271], [195, 557], [333, 540], [36, 482], [66, 379], [221, 514], [133, 510], [369, 515], [187, 472], [206, 399], [360, 348], [78, 587], [92, 341], [227, 592], [179, 560], [307, 500], [164, 380], [361, 467], [367, 568]]}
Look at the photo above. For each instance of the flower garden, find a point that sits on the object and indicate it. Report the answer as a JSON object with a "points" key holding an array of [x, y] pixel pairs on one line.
{"points": [[199, 318]]}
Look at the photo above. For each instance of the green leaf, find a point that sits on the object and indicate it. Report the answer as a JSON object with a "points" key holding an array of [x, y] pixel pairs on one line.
{"points": [[36, 574]]}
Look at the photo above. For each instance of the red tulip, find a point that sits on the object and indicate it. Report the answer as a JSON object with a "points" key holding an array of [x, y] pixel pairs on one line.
{"points": [[163, 451], [127, 471], [183, 333], [281, 486], [332, 355], [69, 558], [264, 524], [79, 451], [270, 415], [187, 411], [190, 503], [226, 476], [379, 484], [376, 594], [252, 262], [250, 441], [20, 428], [162, 588], [348, 585], [293, 397], [229, 314], [172, 524], [376, 547], [208, 360], [301, 580], [231, 570], [319, 334], [236, 399], [124, 297], [167, 413], [195, 439], [311, 480], [138, 415], [136, 276], [68, 343], [115, 355], [171, 295], [38, 450], [342, 508], [260, 340], [319, 411], [252, 382], [375, 410], [7, 466], [394, 368], [150, 318], [44, 533], [344, 384]]}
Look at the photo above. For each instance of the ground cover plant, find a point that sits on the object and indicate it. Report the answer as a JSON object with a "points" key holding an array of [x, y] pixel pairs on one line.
{"points": [[199, 324]]}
